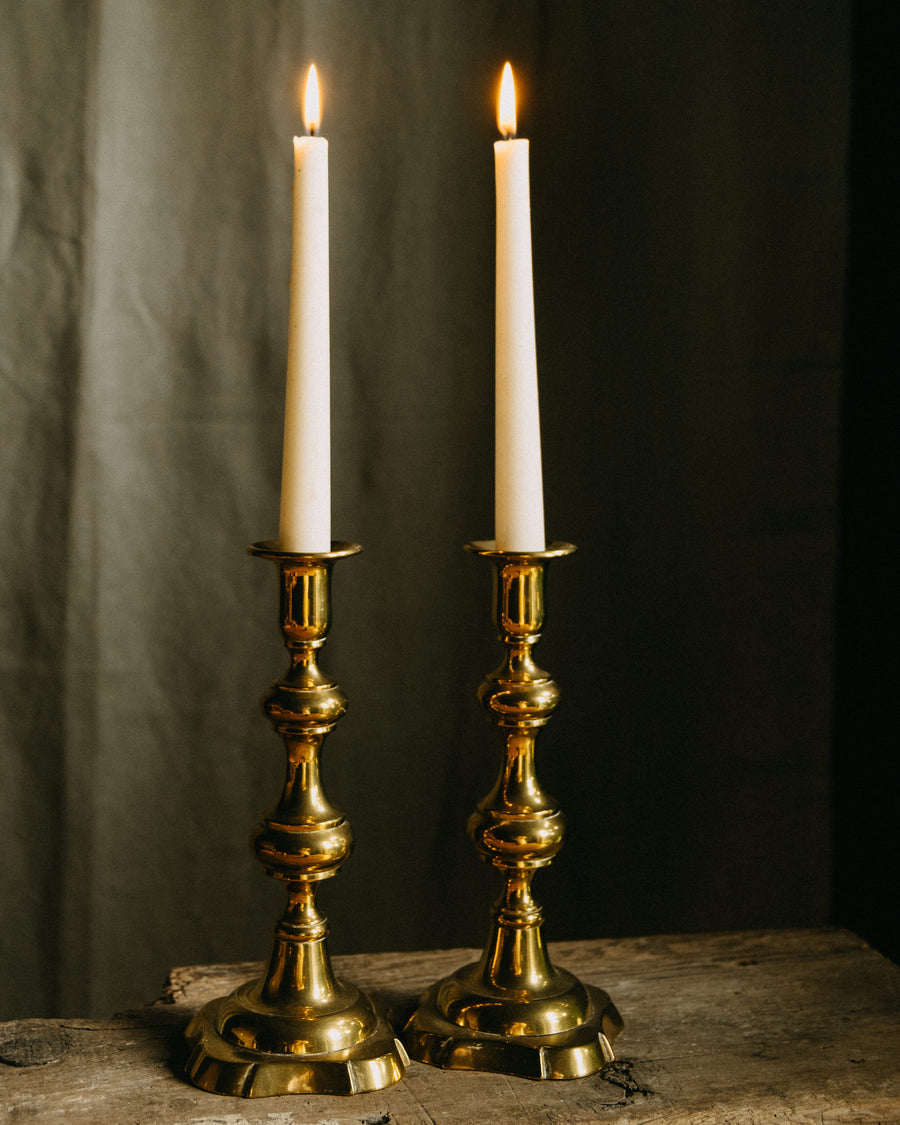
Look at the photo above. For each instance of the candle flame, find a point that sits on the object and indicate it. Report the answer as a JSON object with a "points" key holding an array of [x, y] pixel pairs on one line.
{"points": [[312, 115], [506, 110]]}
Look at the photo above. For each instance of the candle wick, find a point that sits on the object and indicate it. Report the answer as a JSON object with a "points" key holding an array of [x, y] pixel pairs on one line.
{"points": [[312, 130], [509, 135]]}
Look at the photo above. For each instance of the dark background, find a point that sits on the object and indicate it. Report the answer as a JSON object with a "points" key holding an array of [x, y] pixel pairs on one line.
{"points": [[866, 729], [715, 253]]}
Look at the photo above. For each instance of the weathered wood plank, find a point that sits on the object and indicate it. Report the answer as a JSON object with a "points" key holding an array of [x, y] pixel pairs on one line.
{"points": [[731, 1029]]}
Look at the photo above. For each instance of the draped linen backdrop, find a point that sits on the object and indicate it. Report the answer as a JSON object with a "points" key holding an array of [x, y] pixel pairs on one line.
{"points": [[688, 208]]}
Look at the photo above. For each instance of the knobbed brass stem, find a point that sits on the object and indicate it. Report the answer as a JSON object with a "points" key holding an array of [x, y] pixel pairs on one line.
{"points": [[512, 1011], [297, 1029]]}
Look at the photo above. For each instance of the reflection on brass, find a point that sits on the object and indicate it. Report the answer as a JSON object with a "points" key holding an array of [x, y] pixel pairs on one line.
{"points": [[297, 1030], [512, 1012]]}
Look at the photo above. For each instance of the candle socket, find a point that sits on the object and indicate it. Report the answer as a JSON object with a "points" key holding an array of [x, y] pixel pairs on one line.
{"points": [[512, 1012], [298, 1030]]}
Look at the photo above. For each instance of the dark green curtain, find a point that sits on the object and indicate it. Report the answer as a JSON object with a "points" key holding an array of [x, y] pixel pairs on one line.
{"points": [[688, 190]]}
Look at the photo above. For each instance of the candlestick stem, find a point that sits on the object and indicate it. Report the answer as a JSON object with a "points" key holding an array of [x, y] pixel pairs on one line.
{"points": [[513, 1012], [298, 1029]]}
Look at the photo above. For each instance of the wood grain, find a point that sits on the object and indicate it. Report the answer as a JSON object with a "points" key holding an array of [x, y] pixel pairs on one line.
{"points": [[799, 1026]]}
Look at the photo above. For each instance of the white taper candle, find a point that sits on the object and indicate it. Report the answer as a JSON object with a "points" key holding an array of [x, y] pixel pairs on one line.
{"points": [[518, 496], [305, 520]]}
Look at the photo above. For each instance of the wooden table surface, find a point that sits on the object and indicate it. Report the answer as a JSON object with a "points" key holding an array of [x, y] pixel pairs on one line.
{"points": [[792, 1026]]}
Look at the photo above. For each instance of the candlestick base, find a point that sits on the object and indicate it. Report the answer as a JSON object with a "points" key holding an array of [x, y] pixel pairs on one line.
{"points": [[489, 1031], [244, 1047], [513, 1012], [298, 1030]]}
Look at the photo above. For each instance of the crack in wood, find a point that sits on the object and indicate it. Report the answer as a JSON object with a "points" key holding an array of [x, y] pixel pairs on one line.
{"points": [[620, 1073]]}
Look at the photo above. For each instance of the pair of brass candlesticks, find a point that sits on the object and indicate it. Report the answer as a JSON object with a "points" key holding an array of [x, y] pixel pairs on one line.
{"points": [[298, 1029]]}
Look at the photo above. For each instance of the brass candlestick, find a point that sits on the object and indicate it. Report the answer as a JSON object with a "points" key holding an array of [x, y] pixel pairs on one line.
{"points": [[297, 1030], [512, 1012]]}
